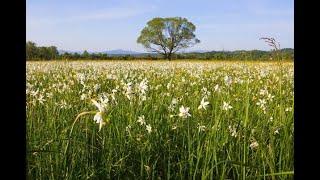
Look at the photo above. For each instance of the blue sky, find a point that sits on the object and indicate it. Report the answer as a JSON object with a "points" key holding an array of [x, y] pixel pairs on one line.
{"points": [[99, 25]]}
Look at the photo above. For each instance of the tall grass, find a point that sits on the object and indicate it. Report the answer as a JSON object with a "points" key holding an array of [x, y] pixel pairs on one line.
{"points": [[251, 140]]}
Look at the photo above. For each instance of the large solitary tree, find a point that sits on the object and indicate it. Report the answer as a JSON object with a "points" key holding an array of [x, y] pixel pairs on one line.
{"points": [[168, 35]]}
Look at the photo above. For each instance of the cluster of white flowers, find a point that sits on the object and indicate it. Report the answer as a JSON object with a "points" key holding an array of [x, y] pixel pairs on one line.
{"points": [[142, 122], [233, 131], [170, 85], [97, 87], [262, 104], [226, 106], [205, 92], [63, 104]]}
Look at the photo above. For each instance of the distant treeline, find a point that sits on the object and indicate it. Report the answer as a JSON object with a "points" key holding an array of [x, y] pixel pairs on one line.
{"points": [[34, 52]]}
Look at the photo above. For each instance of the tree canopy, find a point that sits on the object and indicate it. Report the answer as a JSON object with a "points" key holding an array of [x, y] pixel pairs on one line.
{"points": [[168, 35], [35, 53]]}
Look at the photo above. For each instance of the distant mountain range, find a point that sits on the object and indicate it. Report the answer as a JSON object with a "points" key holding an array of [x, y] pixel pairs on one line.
{"points": [[121, 51], [114, 52]]}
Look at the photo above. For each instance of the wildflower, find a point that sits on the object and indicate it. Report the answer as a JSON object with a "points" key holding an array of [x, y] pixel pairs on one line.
{"points": [[174, 127], [216, 88], [34, 93], [276, 131], [141, 120], [128, 90], [128, 128], [203, 104], [148, 128], [49, 94], [98, 117], [184, 112], [143, 86], [270, 97], [143, 97], [96, 87], [226, 106], [227, 80], [261, 103], [233, 131], [205, 91], [288, 109], [104, 100], [83, 96], [98, 105], [40, 99], [170, 85], [174, 101], [271, 119], [254, 145], [263, 91], [201, 127], [147, 168]]}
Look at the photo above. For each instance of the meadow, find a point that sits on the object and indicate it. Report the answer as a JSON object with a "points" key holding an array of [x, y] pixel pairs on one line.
{"points": [[160, 120]]}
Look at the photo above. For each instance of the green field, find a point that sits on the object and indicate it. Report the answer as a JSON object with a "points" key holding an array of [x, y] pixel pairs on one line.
{"points": [[160, 120]]}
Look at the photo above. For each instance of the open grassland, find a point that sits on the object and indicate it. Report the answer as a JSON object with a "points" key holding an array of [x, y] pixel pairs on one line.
{"points": [[159, 120]]}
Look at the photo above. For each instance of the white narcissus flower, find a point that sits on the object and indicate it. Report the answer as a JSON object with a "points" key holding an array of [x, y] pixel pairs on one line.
{"points": [[288, 109], [97, 87], [254, 145], [41, 99], [141, 120], [261, 102], [201, 127], [83, 96], [149, 128], [184, 112], [128, 128], [216, 88], [226, 106], [227, 80], [174, 101], [143, 86], [203, 104], [98, 105], [98, 117]]}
